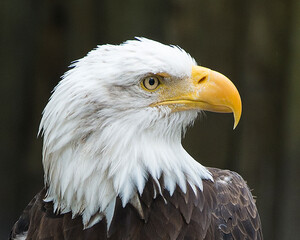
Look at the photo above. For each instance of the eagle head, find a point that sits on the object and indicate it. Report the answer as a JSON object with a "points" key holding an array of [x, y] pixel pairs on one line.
{"points": [[117, 117]]}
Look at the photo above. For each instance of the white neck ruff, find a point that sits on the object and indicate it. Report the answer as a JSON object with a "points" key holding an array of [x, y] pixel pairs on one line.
{"points": [[85, 174]]}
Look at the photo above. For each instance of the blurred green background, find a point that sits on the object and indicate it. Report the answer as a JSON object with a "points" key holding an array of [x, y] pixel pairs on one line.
{"points": [[255, 43]]}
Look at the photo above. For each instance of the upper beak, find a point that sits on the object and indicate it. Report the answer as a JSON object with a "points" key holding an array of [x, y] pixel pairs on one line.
{"points": [[216, 92], [207, 90]]}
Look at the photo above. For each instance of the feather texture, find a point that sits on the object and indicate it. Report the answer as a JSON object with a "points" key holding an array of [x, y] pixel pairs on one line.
{"points": [[225, 209]]}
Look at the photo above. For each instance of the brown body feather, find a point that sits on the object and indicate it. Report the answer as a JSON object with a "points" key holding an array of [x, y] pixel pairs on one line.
{"points": [[225, 209]]}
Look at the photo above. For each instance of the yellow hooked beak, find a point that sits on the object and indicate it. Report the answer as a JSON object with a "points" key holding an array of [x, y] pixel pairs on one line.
{"points": [[205, 90]]}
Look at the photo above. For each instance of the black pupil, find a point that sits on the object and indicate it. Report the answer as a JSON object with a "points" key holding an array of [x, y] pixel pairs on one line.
{"points": [[151, 81]]}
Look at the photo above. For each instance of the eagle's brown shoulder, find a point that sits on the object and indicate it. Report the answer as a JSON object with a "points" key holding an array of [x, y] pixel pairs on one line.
{"points": [[235, 215], [225, 209]]}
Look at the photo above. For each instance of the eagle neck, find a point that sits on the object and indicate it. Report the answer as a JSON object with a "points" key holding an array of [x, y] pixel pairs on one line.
{"points": [[87, 175]]}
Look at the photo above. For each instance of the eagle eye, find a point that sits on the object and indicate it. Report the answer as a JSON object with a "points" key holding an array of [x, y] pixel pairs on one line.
{"points": [[151, 83]]}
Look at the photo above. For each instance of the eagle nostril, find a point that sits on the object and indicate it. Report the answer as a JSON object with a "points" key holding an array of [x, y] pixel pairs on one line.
{"points": [[202, 79]]}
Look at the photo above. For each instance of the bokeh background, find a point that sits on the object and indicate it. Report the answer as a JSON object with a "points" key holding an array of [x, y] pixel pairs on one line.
{"points": [[255, 43]]}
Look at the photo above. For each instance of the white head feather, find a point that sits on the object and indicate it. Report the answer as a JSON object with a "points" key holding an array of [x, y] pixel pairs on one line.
{"points": [[101, 138]]}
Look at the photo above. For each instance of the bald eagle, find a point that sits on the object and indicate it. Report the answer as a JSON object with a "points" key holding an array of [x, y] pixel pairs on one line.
{"points": [[113, 161]]}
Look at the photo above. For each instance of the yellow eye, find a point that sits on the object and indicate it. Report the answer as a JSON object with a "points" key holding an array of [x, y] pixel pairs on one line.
{"points": [[151, 83]]}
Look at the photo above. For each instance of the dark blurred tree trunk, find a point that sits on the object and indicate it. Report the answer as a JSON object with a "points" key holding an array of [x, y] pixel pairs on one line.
{"points": [[17, 71], [289, 205], [265, 68]]}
